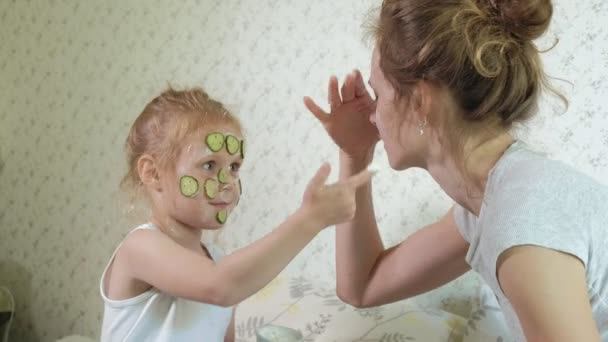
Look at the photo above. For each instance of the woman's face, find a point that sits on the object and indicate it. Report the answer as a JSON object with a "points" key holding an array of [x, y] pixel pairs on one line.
{"points": [[397, 125]]}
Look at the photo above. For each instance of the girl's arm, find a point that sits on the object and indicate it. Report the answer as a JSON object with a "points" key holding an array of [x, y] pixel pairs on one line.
{"points": [[154, 258], [548, 290], [369, 275]]}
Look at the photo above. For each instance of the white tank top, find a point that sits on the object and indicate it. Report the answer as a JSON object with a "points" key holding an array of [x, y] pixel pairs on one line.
{"points": [[156, 316]]}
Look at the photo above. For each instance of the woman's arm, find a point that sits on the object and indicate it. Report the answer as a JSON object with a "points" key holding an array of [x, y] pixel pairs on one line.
{"points": [[548, 290], [369, 275]]}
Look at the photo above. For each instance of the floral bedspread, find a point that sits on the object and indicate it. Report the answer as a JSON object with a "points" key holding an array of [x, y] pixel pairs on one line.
{"points": [[316, 311]]}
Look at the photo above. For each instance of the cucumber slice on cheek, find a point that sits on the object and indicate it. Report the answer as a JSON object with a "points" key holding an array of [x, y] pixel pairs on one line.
{"points": [[212, 188], [188, 186], [215, 141], [232, 144]]}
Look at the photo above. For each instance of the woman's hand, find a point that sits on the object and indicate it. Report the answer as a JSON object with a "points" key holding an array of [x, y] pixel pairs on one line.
{"points": [[348, 122]]}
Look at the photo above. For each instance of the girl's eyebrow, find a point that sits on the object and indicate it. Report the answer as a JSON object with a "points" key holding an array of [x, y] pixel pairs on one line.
{"points": [[205, 159]]}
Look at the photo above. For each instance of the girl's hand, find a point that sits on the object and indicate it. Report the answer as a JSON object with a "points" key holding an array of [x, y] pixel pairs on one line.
{"points": [[348, 122], [332, 204]]}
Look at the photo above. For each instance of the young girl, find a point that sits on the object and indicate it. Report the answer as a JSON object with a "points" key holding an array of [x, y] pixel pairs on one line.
{"points": [[162, 284], [451, 78]]}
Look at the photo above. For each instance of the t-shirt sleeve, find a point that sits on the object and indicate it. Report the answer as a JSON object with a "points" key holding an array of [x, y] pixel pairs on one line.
{"points": [[540, 221], [465, 221]]}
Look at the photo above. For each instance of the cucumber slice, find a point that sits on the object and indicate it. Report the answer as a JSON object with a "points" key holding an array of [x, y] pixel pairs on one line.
{"points": [[222, 216], [223, 176], [232, 144], [212, 188], [243, 149], [215, 141], [240, 187], [188, 185]]}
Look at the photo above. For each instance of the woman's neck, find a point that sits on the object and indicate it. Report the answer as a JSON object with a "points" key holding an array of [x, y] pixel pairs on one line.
{"points": [[466, 182]]}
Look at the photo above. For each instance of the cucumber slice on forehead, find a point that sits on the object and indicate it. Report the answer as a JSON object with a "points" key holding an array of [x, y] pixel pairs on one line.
{"points": [[215, 141], [212, 188], [223, 176], [233, 145], [222, 216], [188, 186]]}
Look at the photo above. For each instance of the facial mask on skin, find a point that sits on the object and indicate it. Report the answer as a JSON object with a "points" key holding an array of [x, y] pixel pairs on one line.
{"points": [[215, 141], [227, 196], [241, 144], [224, 176], [211, 188], [233, 145], [188, 186], [222, 216]]}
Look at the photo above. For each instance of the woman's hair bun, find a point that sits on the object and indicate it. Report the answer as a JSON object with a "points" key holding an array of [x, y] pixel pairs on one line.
{"points": [[525, 19]]}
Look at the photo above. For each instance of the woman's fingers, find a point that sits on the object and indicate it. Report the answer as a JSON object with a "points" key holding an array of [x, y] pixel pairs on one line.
{"points": [[315, 109], [348, 88], [333, 94], [360, 89]]}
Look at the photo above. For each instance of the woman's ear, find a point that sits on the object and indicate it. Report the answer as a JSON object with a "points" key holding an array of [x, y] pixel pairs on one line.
{"points": [[148, 171], [422, 100]]}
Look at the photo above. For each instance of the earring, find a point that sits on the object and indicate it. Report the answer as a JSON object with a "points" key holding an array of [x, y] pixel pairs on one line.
{"points": [[421, 126]]}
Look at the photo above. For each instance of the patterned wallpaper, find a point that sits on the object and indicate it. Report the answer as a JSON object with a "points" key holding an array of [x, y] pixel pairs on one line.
{"points": [[74, 74]]}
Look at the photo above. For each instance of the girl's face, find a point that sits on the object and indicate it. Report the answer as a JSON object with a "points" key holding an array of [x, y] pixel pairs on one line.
{"points": [[204, 186]]}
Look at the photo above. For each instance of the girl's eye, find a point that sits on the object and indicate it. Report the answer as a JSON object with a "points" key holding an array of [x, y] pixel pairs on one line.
{"points": [[209, 165], [234, 167]]}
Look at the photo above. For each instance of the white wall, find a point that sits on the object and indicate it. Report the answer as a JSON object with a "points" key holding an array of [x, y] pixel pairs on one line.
{"points": [[75, 74]]}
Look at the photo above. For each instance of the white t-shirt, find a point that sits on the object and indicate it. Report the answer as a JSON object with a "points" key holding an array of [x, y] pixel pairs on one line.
{"points": [[157, 317], [532, 200]]}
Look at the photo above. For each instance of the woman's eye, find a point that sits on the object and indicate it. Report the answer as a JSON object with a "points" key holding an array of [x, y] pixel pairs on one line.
{"points": [[209, 165], [235, 167]]}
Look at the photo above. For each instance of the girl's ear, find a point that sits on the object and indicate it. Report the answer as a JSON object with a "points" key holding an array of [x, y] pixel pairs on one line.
{"points": [[148, 171]]}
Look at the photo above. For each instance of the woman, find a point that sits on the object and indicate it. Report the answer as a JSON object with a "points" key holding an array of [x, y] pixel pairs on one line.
{"points": [[451, 78]]}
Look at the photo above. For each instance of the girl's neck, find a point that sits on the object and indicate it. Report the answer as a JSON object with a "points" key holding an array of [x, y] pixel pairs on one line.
{"points": [[466, 185], [184, 235]]}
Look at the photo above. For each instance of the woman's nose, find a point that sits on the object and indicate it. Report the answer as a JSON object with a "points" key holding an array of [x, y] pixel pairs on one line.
{"points": [[372, 118]]}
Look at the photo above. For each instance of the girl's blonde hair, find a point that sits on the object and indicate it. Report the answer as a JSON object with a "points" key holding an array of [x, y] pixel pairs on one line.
{"points": [[165, 122]]}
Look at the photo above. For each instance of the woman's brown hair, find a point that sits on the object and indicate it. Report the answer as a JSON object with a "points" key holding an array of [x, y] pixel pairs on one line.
{"points": [[481, 50]]}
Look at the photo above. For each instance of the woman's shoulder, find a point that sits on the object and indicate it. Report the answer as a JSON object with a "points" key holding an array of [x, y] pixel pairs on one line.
{"points": [[531, 175]]}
